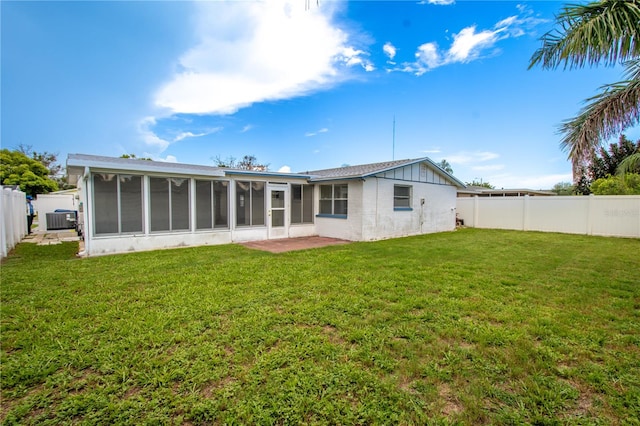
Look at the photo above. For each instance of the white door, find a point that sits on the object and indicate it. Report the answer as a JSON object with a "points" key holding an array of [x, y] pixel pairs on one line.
{"points": [[277, 213]]}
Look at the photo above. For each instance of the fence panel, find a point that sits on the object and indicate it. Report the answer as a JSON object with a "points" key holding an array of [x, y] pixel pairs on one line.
{"points": [[14, 219], [593, 215]]}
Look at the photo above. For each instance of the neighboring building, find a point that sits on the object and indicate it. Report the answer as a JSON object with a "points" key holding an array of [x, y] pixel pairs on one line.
{"points": [[480, 191], [47, 204], [133, 205]]}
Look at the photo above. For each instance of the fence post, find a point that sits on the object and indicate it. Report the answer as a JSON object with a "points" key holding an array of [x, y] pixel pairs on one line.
{"points": [[525, 212], [476, 210], [590, 214]]}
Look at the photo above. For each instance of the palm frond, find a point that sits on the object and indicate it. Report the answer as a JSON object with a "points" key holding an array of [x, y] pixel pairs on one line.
{"points": [[631, 164], [607, 114], [606, 32]]}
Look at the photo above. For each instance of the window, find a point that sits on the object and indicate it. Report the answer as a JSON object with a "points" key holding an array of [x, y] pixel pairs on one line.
{"points": [[301, 203], [169, 203], [212, 204], [333, 199], [250, 203], [117, 202], [401, 197]]}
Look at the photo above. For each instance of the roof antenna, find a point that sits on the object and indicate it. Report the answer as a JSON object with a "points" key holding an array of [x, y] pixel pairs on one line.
{"points": [[393, 153]]}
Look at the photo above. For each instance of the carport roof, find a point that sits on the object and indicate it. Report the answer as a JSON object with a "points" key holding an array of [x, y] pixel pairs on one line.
{"points": [[76, 164]]}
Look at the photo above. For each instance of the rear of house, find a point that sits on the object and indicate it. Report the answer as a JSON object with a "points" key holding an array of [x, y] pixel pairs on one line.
{"points": [[133, 205]]}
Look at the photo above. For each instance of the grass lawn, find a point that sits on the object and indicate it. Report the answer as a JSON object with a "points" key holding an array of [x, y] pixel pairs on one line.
{"points": [[467, 327]]}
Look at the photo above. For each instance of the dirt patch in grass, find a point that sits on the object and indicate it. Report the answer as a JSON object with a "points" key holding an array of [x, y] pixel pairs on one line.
{"points": [[451, 406], [332, 333], [209, 390]]}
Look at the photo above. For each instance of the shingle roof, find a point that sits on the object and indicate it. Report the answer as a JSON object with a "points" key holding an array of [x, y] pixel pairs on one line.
{"points": [[362, 170], [365, 170]]}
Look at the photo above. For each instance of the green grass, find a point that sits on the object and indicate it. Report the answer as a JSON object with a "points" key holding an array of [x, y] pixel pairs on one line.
{"points": [[469, 327]]}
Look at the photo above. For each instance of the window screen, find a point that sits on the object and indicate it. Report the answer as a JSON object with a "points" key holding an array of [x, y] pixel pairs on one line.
{"points": [[301, 203], [401, 196]]}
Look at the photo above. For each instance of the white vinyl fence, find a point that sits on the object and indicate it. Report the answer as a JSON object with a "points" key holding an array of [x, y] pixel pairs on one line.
{"points": [[607, 215], [13, 207]]}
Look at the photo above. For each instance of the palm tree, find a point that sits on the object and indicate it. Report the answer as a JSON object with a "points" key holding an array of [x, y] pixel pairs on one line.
{"points": [[600, 33], [631, 164]]}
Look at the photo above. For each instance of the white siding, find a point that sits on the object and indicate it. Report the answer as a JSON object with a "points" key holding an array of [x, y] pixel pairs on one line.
{"points": [[381, 221], [349, 228], [420, 172]]}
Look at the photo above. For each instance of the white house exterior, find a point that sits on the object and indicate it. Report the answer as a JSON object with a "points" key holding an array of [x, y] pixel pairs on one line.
{"points": [[135, 205]]}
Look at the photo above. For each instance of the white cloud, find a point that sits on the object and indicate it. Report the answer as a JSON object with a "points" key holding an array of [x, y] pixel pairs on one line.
{"points": [[168, 159], [432, 151], [284, 169], [252, 52], [185, 135], [471, 157], [470, 44], [351, 57], [427, 57], [323, 130], [509, 181], [246, 128], [149, 137], [389, 50], [438, 2]]}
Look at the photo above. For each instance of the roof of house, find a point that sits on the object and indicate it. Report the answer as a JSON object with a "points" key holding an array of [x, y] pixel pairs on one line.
{"points": [[77, 162], [365, 170], [506, 192]]}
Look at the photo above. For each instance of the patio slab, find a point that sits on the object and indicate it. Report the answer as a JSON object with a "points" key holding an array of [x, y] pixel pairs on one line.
{"points": [[291, 244]]}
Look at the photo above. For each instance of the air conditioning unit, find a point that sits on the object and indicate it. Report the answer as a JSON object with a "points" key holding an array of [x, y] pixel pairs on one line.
{"points": [[61, 220]]}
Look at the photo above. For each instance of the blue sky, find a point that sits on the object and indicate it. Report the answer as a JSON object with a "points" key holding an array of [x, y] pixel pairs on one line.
{"points": [[300, 85]]}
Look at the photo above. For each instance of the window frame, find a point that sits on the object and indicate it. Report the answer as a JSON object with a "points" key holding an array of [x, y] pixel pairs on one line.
{"points": [[305, 190], [408, 198], [250, 201], [170, 205], [119, 204], [216, 209], [334, 200]]}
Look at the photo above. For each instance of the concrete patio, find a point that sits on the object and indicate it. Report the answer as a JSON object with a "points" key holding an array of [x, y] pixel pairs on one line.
{"points": [[291, 244]]}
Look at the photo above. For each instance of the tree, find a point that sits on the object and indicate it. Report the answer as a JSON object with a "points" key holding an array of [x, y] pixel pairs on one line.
{"points": [[631, 164], [31, 175], [628, 184], [50, 161], [583, 183], [480, 184], [248, 162], [133, 156], [605, 162], [444, 165], [563, 188], [603, 32]]}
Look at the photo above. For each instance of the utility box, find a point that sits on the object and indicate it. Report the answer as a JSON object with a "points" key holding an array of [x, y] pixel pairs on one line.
{"points": [[61, 220]]}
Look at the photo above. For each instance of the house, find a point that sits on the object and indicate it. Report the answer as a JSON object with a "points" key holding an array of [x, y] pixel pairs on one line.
{"points": [[480, 191], [134, 205]]}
